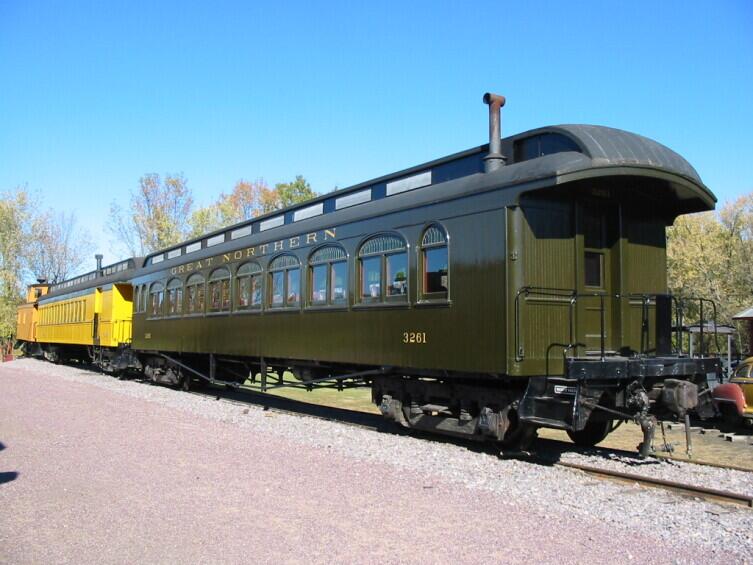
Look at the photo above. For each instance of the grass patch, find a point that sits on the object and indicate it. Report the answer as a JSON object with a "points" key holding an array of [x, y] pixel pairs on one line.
{"points": [[349, 398]]}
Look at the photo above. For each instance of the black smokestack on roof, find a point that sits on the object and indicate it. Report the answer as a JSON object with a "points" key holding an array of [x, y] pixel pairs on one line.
{"points": [[494, 160], [98, 257]]}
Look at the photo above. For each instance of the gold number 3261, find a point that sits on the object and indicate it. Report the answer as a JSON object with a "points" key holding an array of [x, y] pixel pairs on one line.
{"points": [[414, 337]]}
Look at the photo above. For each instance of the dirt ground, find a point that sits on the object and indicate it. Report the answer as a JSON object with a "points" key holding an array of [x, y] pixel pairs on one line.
{"points": [[708, 448]]}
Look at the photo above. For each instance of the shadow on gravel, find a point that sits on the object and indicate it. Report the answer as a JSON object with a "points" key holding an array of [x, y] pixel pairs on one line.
{"points": [[545, 452], [8, 476], [374, 422], [550, 451]]}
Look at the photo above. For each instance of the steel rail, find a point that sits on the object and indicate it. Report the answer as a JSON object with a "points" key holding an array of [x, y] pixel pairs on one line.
{"points": [[709, 493]]}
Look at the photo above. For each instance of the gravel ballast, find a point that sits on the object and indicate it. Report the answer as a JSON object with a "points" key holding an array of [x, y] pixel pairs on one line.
{"points": [[118, 471]]}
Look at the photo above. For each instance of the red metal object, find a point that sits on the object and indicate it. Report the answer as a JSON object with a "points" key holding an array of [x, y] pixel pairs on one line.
{"points": [[730, 394], [8, 357]]}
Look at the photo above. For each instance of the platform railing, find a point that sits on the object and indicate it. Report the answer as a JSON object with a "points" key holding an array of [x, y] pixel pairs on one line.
{"points": [[572, 298]]}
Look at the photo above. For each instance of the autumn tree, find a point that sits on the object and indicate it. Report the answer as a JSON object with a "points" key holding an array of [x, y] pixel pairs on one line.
{"points": [[33, 244], [287, 193], [248, 200], [710, 255], [15, 216], [58, 248], [157, 216], [243, 203]]}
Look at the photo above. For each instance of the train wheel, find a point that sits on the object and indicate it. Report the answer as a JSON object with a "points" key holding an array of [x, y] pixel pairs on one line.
{"points": [[519, 436], [593, 433]]}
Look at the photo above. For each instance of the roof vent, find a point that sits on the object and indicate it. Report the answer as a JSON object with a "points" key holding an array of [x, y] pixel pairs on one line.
{"points": [[494, 160]]}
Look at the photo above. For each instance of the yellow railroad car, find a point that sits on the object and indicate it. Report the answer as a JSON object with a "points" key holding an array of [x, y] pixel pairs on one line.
{"points": [[27, 317], [86, 318], [99, 316]]}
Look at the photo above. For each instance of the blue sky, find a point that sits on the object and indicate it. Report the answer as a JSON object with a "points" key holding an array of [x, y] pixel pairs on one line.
{"points": [[95, 94]]}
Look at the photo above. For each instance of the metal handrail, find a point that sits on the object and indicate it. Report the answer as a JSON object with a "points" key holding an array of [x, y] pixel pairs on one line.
{"points": [[572, 296], [702, 321]]}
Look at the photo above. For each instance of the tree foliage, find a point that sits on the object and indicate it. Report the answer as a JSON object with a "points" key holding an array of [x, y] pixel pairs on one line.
{"points": [[244, 202], [710, 255], [58, 247], [15, 217], [288, 193], [248, 200], [157, 216], [33, 245]]}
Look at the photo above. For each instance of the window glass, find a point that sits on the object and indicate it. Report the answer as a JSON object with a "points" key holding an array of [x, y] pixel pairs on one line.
{"points": [[594, 269], [174, 297], [542, 144], [285, 277], [384, 269], [195, 294], [278, 288], [434, 263], [319, 284], [339, 278], [244, 292], [219, 290], [157, 294], [293, 288], [256, 291], [219, 295], [397, 274], [214, 295], [435, 270], [328, 276], [371, 277], [248, 285], [225, 304], [190, 299]]}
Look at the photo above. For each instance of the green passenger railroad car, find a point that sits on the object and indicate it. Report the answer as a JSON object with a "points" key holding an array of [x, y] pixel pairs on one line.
{"points": [[514, 285]]}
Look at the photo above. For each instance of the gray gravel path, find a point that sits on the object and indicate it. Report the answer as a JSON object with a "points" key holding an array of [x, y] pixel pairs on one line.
{"points": [[116, 471]]}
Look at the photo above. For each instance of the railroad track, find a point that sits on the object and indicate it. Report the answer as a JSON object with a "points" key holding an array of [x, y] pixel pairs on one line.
{"points": [[682, 488]]}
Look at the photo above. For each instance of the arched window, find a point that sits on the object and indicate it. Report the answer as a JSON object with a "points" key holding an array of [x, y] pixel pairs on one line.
{"points": [[328, 276], [136, 298], [156, 299], [383, 269], [175, 297], [144, 298], [219, 290], [284, 282], [248, 286], [435, 279], [195, 294]]}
